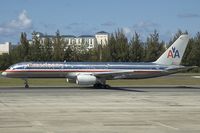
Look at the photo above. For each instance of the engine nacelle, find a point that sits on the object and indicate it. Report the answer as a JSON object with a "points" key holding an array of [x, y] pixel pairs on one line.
{"points": [[86, 79]]}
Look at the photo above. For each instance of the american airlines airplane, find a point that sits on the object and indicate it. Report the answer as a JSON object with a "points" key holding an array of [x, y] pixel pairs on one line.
{"points": [[96, 73]]}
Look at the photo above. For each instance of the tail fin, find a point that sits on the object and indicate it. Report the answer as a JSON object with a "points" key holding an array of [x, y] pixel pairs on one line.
{"points": [[174, 54]]}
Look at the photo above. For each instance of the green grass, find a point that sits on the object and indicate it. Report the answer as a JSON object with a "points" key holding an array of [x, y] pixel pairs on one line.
{"points": [[34, 82], [178, 79], [156, 81]]}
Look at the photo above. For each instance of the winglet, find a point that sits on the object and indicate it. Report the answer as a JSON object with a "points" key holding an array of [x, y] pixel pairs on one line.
{"points": [[174, 54]]}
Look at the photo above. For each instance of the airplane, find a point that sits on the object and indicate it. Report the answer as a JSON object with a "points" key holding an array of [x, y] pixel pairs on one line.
{"points": [[96, 73]]}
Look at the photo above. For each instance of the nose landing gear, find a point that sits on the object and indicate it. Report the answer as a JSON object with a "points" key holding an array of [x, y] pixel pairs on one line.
{"points": [[26, 83]]}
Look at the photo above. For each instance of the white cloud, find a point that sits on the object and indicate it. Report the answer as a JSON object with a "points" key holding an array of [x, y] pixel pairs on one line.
{"points": [[128, 32], [145, 26], [21, 23]]}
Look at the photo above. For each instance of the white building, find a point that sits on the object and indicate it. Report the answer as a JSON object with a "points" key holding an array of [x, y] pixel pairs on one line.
{"points": [[69, 39], [102, 38], [5, 48], [88, 41]]}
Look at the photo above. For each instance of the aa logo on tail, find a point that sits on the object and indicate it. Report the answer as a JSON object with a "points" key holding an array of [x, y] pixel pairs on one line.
{"points": [[173, 53]]}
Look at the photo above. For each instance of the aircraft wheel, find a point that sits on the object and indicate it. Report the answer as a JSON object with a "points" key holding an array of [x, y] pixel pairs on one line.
{"points": [[97, 85], [26, 83], [26, 86], [106, 86], [101, 86]]}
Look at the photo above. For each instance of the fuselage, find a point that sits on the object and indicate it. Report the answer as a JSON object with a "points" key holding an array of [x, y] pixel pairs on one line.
{"points": [[70, 70]]}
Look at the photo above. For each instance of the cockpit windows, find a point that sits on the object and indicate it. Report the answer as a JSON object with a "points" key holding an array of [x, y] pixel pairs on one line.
{"points": [[17, 66]]}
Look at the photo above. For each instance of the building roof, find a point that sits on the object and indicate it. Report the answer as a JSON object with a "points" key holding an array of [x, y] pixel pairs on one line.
{"points": [[101, 32], [68, 36], [86, 36], [37, 33], [50, 36]]}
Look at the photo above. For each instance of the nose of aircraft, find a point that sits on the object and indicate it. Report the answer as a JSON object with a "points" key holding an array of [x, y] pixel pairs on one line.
{"points": [[4, 74]]}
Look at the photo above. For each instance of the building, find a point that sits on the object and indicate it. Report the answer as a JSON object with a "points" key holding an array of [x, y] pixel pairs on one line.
{"points": [[5, 48], [102, 38], [87, 41], [69, 39]]}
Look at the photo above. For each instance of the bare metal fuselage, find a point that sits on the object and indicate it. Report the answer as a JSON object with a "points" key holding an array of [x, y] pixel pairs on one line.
{"points": [[70, 70]]}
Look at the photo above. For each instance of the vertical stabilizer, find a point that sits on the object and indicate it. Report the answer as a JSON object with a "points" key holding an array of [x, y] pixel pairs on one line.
{"points": [[174, 54]]}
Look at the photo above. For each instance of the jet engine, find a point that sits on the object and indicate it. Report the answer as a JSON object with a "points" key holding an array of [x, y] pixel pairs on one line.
{"points": [[86, 79]]}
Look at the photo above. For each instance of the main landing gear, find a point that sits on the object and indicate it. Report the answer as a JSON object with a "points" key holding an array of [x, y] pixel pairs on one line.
{"points": [[102, 86], [26, 83], [101, 83]]}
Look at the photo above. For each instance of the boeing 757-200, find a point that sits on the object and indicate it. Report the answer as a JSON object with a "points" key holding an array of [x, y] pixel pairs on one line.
{"points": [[96, 73]]}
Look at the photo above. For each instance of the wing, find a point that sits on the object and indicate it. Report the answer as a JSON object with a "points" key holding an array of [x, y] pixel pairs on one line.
{"points": [[114, 75]]}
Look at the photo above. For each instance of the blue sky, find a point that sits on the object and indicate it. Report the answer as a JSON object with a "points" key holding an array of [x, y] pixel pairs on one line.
{"points": [[79, 17]]}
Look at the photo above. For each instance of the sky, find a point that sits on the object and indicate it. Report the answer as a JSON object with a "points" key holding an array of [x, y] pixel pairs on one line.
{"points": [[78, 17]]}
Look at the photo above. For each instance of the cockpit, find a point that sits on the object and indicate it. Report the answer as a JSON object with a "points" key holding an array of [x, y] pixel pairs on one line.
{"points": [[18, 66]]}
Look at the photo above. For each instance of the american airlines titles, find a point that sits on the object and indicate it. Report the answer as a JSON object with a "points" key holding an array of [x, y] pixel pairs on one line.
{"points": [[173, 53]]}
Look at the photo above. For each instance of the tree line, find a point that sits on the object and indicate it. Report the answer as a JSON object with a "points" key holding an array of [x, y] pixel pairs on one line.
{"points": [[118, 49]]}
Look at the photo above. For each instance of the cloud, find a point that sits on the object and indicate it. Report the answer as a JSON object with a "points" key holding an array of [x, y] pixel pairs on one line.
{"points": [[21, 23], [145, 26], [46, 27], [188, 15], [108, 23], [75, 25], [128, 32]]}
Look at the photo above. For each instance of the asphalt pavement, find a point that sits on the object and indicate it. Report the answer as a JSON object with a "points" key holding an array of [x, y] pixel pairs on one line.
{"points": [[155, 109]]}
